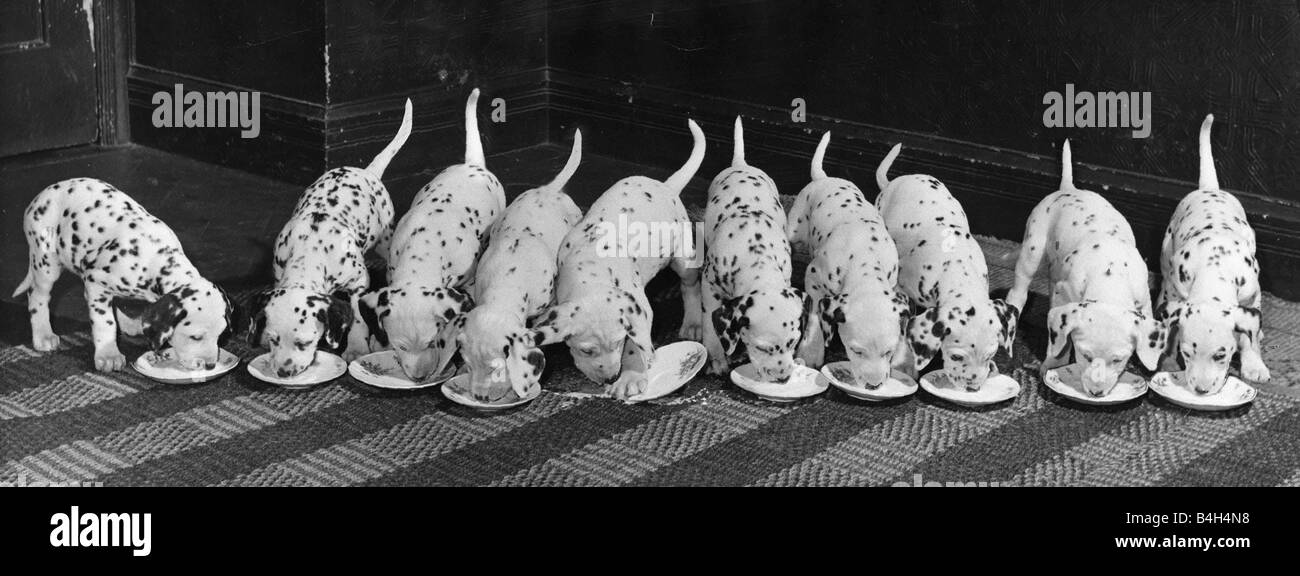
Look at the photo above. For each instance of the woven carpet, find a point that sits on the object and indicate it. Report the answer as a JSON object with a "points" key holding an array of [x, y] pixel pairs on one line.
{"points": [[60, 421]]}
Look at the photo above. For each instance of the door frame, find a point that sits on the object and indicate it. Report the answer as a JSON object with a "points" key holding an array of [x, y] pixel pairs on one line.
{"points": [[112, 42]]}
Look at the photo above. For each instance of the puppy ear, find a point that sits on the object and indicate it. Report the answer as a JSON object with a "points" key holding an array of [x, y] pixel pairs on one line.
{"points": [[524, 363], [373, 308], [447, 342], [336, 316], [1170, 314], [637, 321], [1061, 323], [925, 334], [553, 324], [1149, 341], [903, 308], [231, 314], [160, 319], [832, 315], [809, 315], [1008, 317], [257, 320], [729, 319]]}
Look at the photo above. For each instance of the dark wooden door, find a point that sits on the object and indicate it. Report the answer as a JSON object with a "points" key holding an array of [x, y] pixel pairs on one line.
{"points": [[47, 75]]}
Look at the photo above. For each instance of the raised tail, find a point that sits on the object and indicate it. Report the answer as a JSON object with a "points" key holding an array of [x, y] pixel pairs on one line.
{"points": [[817, 172], [882, 173], [1067, 167], [575, 158], [677, 182], [380, 163], [26, 283], [1209, 178], [738, 153], [473, 145]]}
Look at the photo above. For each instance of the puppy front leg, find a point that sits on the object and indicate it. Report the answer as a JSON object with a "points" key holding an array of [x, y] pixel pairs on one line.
{"points": [[1248, 342], [632, 379], [358, 334], [103, 330]]}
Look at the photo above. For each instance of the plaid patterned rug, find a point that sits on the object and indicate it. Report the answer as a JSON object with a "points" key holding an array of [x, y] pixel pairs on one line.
{"points": [[60, 421]]}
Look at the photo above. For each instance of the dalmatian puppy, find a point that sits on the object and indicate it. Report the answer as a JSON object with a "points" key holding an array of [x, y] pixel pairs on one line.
{"points": [[1210, 298], [1099, 302], [515, 281], [434, 249], [636, 228], [852, 277], [120, 251], [747, 293], [319, 265], [945, 278]]}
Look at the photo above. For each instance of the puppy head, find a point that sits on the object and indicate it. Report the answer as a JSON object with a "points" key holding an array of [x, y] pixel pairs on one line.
{"points": [[968, 338], [419, 323], [194, 320], [1205, 338], [861, 324], [770, 323], [295, 322], [595, 328], [1104, 337], [500, 352]]}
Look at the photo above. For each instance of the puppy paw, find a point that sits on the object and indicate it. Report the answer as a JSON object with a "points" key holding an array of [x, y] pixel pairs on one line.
{"points": [[718, 366], [812, 358], [628, 385], [1253, 369], [45, 342], [109, 360], [692, 329], [352, 354]]}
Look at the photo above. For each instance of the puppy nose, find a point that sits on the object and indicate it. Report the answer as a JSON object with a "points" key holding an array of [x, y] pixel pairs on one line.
{"points": [[209, 365], [283, 372]]}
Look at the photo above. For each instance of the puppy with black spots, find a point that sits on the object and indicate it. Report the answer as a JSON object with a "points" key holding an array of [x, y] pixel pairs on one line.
{"points": [[852, 277], [747, 293], [515, 281], [434, 249], [945, 278], [320, 268], [605, 263], [1100, 304], [1210, 298], [120, 251]]}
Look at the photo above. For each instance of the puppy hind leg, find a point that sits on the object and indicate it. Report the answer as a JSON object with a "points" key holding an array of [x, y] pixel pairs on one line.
{"points": [[692, 303], [42, 278], [1032, 251]]}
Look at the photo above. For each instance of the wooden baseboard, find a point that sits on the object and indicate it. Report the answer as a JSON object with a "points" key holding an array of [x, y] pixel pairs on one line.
{"points": [[299, 140], [997, 187]]}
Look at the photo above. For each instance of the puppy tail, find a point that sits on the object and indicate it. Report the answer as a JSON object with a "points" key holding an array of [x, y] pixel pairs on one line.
{"points": [[1209, 178], [575, 158], [26, 283], [677, 182], [817, 172], [738, 153], [1067, 167], [882, 173], [473, 145], [380, 163]]}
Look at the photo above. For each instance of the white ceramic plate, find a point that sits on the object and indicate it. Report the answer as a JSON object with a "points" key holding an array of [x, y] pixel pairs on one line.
{"points": [[898, 385], [381, 370], [457, 390], [999, 388], [1065, 381], [1235, 392], [803, 382], [325, 368], [162, 366], [675, 365]]}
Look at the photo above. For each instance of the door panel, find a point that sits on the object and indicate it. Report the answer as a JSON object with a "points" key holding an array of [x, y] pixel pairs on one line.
{"points": [[47, 75]]}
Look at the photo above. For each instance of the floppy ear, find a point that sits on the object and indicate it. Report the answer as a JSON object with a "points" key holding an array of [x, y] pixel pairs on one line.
{"points": [[524, 363], [554, 324], [729, 319], [231, 314], [1247, 322], [1061, 322], [903, 308], [831, 310], [1170, 314], [809, 314], [257, 320], [160, 318], [925, 334], [373, 308], [1008, 317], [337, 319], [636, 320], [1148, 341]]}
